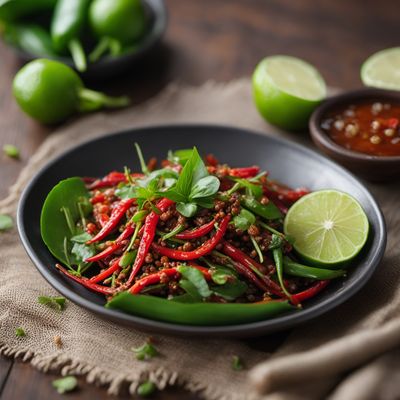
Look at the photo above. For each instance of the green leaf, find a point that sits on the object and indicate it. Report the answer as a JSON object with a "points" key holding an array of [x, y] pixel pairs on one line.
{"points": [[205, 187], [187, 209], [139, 216], [255, 190], [173, 195], [180, 156], [197, 314], [237, 364], [126, 192], [276, 242], [6, 222], [145, 352], [11, 151], [80, 252], [81, 238], [191, 290], [128, 258], [19, 332], [220, 275], [194, 276], [244, 219], [205, 202], [66, 384], [57, 302], [53, 225], [230, 290], [141, 159]]}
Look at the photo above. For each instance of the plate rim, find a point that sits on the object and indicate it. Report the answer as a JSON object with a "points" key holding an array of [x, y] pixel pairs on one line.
{"points": [[238, 330]]}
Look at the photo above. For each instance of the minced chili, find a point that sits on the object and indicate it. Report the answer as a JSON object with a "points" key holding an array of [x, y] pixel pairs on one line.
{"points": [[370, 127]]}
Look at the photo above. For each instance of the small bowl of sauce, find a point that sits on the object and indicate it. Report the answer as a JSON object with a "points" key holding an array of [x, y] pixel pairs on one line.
{"points": [[361, 130]]}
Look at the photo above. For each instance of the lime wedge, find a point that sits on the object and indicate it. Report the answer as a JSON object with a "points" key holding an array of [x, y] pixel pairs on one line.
{"points": [[329, 227], [286, 90], [382, 69]]}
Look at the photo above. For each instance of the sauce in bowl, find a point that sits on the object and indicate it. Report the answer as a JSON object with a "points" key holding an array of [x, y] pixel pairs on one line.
{"points": [[369, 127]]}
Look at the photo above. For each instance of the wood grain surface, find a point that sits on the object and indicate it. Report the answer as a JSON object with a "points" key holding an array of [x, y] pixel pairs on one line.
{"points": [[206, 40]]}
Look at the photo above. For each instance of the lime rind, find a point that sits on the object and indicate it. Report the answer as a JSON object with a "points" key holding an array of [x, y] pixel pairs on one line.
{"points": [[329, 227], [382, 69]]}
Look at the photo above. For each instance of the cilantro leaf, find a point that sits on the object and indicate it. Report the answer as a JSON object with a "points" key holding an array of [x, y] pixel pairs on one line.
{"points": [[145, 352], [53, 301], [244, 219], [19, 332], [66, 384]]}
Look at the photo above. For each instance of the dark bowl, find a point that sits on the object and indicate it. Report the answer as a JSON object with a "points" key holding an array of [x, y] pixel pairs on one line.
{"points": [[111, 66], [373, 168], [287, 162]]}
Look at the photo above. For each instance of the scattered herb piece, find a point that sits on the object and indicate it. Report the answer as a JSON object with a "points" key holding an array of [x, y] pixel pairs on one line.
{"points": [[237, 364], [6, 222], [145, 352], [146, 389], [19, 332], [66, 384], [52, 301], [11, 151], [244, 219]]}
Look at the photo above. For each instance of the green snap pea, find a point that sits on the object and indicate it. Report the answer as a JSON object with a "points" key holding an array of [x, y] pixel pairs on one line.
{"points": [[268, 211], [210, 314], [278, 258], [293, 268]]}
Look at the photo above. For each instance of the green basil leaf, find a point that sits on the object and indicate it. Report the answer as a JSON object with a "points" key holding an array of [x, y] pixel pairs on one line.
{"points": [[66, 384], [126, 192], [190, 289], [156, 175], [180, 156], [80, 252], [53, 225], [187, 209], [81, 238], [205, 187], [231, 290], [220, 275], [174, 195], [85, 205], [244, 219], [205, 202], [195, 277], [6, 222]]}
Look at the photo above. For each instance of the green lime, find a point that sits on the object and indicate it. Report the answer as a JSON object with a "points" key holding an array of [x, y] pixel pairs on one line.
{"points": [[286, 90], [382, 69], [329, 227]]}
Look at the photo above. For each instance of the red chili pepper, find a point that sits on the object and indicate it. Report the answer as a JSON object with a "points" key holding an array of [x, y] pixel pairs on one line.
{"points": [[198, 232], [310, 292], [393, 123], [107, 272], [204, 249], [211, 160], [86, 282], [249, 263], [247, 172], [116, 215], [102, 219], [152, 279], [112, 179], [149, 232], [126, 233], [250, 275], [99, 198]]}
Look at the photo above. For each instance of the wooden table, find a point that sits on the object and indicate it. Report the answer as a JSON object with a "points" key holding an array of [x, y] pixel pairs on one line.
{"points": [[219, 40]]}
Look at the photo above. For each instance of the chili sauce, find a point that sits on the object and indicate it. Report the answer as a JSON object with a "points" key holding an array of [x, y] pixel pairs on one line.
{"points": [[370, 127]]}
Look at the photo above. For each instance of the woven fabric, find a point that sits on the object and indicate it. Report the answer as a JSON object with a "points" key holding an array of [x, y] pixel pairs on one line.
{"points": [[357, 336]]}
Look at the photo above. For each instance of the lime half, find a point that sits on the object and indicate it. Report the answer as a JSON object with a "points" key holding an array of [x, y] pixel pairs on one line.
{"points": [[286, 90], [329, 227], [382, 69]]}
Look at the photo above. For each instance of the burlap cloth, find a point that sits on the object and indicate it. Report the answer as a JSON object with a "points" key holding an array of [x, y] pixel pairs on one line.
{"points": [[349, 353]]}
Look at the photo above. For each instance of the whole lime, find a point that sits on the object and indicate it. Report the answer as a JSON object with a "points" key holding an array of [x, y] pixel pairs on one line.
{"points": [[286, 90], [123, 20], [47, 90]]}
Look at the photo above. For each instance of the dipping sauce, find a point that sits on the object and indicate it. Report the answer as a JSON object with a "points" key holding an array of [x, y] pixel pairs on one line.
{"points": [[370, 127]]}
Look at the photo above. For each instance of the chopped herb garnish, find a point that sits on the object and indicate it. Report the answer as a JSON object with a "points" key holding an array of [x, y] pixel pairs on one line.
{"points": [[145, 352], [19, 332], [66, 384], [11, 151], [53, 301], [146, 389], [237, 364], [6, 222]]}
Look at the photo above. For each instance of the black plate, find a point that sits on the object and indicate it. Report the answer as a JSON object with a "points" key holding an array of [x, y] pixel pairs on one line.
{"points": [[112, 66], [287, 162]]}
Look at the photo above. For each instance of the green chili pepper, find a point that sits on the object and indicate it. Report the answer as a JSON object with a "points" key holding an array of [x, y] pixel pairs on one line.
{"points": [[11, 10], [268, 211], [116, 23], [196, 313], [32, 39], [293, 268], [67, 24], [278, 258], [50, 92]]}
